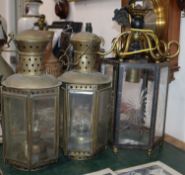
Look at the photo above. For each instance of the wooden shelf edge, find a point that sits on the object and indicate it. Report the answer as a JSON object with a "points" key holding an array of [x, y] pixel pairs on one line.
{"points": [[175, 142]]}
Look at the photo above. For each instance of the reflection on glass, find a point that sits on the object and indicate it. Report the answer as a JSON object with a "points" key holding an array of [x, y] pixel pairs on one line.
{"points": [[43, 129], [161, 105], [15, 128], [135, 111], [103, 119], [81, 111]]}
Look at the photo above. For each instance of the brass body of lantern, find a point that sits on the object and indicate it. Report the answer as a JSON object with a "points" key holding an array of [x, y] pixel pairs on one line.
{"points": [[31, 107], [86, 93]]}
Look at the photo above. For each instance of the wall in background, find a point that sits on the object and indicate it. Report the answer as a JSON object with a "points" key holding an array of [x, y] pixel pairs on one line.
{"points": [[7, 10], [175, 124], [100, 13]]}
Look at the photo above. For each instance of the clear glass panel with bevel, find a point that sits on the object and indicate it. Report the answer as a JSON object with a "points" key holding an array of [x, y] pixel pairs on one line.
{"points": [[43, 128], [136, 107], [15, 119], [80, 124], [161, 103], [103, 117]]}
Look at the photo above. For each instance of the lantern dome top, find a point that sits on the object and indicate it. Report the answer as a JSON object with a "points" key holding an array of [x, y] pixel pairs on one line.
{"points": [[21, 81], [88, 78], [33, 36], [85, 37]]}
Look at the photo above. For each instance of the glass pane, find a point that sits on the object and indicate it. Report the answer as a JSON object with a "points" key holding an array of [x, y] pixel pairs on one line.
{"points": [[0, 114], [136, 105], [80, 126], [161, 104], [104, 114], [43, 128], [1, 139], [62, 92], [107, 69], [16, 128]]}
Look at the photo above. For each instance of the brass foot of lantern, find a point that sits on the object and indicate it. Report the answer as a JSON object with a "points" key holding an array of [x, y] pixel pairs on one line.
{"points": [[80, 155], [149, 153], [115, 149]]}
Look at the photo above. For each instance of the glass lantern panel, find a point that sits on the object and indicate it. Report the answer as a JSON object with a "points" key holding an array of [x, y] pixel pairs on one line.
{"points": [[15, 119], [43, 128], [161, 104], [103, 117], [107, 69], [136, 107], [1, 139], [81, 121], [62, 108]]}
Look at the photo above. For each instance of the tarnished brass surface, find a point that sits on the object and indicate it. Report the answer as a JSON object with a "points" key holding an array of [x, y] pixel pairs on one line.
{"points": [[133, 75], [75, 77], [86, 45], [156, 19], [37, 95], [22, 81], [33, 36], [31, 47]]}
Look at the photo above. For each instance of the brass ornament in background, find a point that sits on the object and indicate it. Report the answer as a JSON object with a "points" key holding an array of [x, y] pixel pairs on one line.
{"points": [[157, 18], [155, 14], [62, 8], [159, 50], [51, 63]]}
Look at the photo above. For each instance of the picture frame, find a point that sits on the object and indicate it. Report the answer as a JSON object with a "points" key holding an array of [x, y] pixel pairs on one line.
{"points": [[106, 171], [154, 168]]}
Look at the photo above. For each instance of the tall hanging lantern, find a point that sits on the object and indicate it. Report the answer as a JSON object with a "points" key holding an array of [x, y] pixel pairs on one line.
{"points": [[140, 91], [86, 93], [140, 79], [30, 107]]}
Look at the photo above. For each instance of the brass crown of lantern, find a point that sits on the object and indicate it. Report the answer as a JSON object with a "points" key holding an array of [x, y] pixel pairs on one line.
{"points": [[148, 39], [159, 50]]}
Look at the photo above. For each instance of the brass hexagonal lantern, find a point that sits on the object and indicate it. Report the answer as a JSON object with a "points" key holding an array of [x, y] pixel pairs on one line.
{"points": [[31, 107], [86, 95]]}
